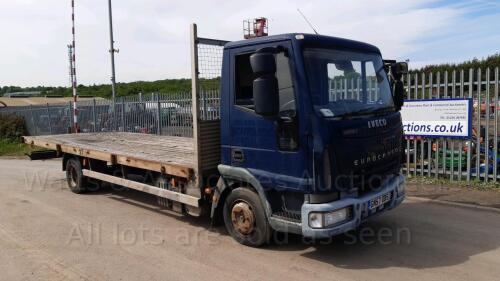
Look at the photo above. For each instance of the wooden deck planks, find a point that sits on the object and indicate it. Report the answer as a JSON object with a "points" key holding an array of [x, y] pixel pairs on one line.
{"points": [[173, 155]]}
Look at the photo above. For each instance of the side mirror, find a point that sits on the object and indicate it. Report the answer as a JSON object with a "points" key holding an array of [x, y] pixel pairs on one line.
{"points": [[399, 68], [263, 62], [265, 85], [265, 95]]}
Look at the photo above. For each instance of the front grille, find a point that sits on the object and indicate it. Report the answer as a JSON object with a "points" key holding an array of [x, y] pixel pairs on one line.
{"points": [[288, 216], [364, 177], [362, 157], [368, 178]]}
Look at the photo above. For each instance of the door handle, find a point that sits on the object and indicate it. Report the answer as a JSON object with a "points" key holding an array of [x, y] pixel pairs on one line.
{"points": [[286, 119], [238, 155]]}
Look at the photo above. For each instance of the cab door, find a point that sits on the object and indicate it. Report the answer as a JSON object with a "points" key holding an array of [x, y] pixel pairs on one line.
{"points": [[270, 148]]}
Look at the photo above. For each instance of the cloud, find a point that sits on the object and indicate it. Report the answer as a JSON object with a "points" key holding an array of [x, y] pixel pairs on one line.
{"points": [[464, 38], [153, 35]]}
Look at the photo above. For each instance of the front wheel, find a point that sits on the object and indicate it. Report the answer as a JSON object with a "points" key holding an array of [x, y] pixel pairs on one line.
{"points": [[245, 218]]}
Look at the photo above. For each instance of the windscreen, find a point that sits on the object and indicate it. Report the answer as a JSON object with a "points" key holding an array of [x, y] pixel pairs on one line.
{"points": [[347, 82]]}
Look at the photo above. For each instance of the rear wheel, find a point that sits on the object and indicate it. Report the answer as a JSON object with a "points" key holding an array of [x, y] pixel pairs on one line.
{"points": [[245, 218], [74, 175]]}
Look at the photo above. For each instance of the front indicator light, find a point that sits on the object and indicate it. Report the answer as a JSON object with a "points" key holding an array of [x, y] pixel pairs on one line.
{"points": [[316, 220]]}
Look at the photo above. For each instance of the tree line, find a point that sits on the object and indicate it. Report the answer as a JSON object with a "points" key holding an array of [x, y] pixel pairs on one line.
{"points": [[184, 85], [104, 90], [491, 62]]}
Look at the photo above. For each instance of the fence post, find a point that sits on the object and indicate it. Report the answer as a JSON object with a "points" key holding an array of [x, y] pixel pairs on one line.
{"points": [[445, 143], [113, 124], [70, 113], [478, 141], [408, 85], [33, 121], [423, 141], [158, 115], [469, 144], [50, 119], [495, 129], [123, 115], [487, 103], [438, 140], [461, 143], [452, 141], [94, 115], [431, 141], [415, 141]]}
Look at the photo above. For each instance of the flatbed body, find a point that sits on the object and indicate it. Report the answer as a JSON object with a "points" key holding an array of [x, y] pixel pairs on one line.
{"points": [[164, 154]]}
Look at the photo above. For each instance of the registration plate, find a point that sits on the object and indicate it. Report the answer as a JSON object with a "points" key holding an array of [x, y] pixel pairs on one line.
{"points": [[379, 201]]}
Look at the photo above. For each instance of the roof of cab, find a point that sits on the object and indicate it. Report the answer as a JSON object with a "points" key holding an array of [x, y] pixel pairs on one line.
{"points": [[310, 40]]}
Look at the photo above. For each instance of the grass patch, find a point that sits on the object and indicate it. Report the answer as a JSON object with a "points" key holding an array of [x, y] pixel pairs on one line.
{"points": [[14, 148], [472, 184]]}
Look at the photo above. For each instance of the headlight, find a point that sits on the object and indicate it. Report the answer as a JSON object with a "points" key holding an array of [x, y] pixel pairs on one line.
{"points": [[336, 217], [326, 219]]}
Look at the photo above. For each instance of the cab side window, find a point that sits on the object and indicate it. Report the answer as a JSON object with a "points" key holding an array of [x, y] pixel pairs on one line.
{"points": [[285, 84], [244, 83]]}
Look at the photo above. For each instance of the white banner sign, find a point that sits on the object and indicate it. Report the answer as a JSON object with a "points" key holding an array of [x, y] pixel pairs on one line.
{"points": [[437, 118]]}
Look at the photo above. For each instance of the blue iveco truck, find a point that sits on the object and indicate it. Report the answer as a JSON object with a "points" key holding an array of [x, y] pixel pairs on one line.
{"points": [[308, 141]]}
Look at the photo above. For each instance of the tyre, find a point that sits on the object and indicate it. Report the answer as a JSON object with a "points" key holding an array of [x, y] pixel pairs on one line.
{"points": [[245, 218], [74, 175]]}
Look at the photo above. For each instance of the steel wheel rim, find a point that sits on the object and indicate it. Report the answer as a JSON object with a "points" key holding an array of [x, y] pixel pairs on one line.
{"points": [[243, 217]]}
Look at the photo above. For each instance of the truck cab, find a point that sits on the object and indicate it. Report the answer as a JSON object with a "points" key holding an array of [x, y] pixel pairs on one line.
{"points": [[311, 125]]}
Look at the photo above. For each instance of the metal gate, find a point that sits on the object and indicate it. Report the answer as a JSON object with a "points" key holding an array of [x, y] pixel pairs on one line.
{"points": [[457, 159]]}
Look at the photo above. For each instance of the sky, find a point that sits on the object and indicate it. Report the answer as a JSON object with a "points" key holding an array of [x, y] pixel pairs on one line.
{"points": [[153, 35]]}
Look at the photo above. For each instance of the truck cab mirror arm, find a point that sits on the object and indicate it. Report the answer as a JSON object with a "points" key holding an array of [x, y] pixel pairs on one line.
{"points": [[396, 70], [399, 94]]}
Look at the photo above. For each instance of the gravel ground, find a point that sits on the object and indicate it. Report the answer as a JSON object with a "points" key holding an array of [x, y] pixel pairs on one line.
{"points": [[48, 233], [446, 192]]}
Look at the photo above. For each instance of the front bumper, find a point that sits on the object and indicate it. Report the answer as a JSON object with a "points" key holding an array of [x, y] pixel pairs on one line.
{"points": [[360, 210]]}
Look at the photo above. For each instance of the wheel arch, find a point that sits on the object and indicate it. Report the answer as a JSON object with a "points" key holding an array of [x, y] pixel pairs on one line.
{"points": [[231, 178]]}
